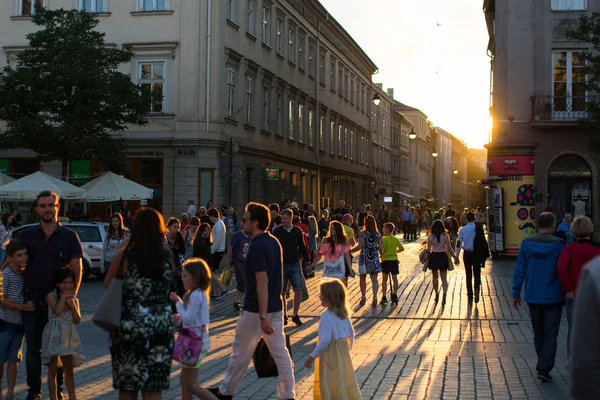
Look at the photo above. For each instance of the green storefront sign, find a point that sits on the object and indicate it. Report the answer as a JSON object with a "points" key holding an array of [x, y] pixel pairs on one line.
{"points": [[272, 174], [4, 166], [80, 172]]}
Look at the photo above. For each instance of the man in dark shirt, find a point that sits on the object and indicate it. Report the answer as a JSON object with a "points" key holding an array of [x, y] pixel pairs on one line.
{"points": [[450, 212], [275, 218], [262, 310], [340, 211], [51, 247], [292, 243]]}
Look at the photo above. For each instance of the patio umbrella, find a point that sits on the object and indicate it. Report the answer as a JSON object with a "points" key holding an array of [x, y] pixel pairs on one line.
{"points": [[28, 187], [113, 187]]}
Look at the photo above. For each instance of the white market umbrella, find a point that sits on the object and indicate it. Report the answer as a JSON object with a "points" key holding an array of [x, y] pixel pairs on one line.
{"points": [[4, 179], [28, 187], [113, 187]]}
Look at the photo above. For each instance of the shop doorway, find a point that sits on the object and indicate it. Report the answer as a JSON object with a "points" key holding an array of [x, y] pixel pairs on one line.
{"points": [[569, 176]]}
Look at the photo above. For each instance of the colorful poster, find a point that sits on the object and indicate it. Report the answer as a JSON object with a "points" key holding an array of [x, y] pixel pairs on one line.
{"points": [[511, 165], [519, 212]]}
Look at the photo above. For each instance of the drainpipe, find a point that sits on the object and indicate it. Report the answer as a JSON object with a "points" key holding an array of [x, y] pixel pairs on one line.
{"points": [[208, 60]]}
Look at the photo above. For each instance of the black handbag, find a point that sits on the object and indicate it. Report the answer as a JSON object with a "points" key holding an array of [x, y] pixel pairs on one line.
{"points": [[263, 361]]}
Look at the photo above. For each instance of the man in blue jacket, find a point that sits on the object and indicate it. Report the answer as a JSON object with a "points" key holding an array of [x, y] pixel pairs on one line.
{"points": [[536, 266]]}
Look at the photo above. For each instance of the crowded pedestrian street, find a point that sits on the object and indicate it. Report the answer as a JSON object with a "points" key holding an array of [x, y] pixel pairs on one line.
{"points": [[416, 350]]}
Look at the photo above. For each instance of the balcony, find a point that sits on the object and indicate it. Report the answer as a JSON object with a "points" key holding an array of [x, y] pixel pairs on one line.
{"points": [[568, 109]]}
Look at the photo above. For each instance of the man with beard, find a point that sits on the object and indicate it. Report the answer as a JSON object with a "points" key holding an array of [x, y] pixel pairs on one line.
{"points": [[51, 247]]}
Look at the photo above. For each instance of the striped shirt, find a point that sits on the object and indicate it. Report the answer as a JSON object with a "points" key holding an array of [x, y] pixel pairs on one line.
{"points": [[12, 290]]}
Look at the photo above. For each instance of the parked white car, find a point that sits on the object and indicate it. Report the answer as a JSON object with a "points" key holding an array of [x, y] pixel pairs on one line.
{"points": [[91, 235]]}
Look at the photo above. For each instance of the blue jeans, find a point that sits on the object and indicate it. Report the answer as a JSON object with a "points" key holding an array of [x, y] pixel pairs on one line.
{"points": [[569, 307], [293, 273], [34, 323], [545, 323]]}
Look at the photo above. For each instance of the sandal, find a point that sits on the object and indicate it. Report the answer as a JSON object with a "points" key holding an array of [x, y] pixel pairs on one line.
{"points": [[363, 301]]}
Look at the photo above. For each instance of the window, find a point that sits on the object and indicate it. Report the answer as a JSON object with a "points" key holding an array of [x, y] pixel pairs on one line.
{"points": [[250, 21], [265, 110], [346, 87], [301, 61], [91, 5], [279, 28], [301, 123], [231, 93], [362, 147], [346, 150], [151, 78], [279, 114], [340, 80], [153, 5], [266, 27], [332, 138], [322, 134], [291, 122], [311, 60], [563, 5], [352, 90], [231, 9], [249, 99], [311, 136], [292, 44], [569, 83], [28, 7], [332, 74], [352, 145], [340, 139], [322, 78]]}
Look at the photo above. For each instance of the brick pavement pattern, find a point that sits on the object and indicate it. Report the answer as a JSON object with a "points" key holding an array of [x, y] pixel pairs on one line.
{"points": [[417, 350]]}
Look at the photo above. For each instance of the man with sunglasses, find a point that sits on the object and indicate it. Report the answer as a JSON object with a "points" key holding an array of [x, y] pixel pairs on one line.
{"points": [[262, 313]]}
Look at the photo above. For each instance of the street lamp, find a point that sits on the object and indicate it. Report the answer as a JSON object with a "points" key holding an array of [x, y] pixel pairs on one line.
{"points": [[376, 99], [412, 135], [434, 153], [455, 172]]}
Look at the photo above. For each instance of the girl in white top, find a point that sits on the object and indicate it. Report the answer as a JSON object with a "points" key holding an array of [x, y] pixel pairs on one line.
{"points": [[193, 313], [334, 373]]}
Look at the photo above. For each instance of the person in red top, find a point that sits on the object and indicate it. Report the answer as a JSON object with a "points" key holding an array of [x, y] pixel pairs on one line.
{"points": [[572, 260]]}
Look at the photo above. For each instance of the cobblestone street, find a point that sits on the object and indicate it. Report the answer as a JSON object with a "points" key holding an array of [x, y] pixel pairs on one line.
{"points": [[416, 350]]}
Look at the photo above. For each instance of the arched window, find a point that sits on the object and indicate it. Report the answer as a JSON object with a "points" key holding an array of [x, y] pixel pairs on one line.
{"points": [[570, 166]]}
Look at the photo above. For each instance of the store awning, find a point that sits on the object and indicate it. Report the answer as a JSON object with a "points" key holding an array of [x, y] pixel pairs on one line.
{"points": [[408, 196]]}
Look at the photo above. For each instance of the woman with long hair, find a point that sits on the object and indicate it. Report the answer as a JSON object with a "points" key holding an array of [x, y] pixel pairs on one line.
{"points": [[336, 250], [451, 225], [112, 241], [142, 347], [438, 246], [188, 237], [313, 232], [176, 244], [369, 243], [201, 249]]}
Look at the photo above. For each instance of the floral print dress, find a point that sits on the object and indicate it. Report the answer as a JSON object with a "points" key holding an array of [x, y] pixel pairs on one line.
{"points": [[142, 348], [369, 255]]}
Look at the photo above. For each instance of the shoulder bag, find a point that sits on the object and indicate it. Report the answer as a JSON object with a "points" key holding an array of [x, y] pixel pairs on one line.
{"points": [[108, 313], [188, 347], [335, 269]]}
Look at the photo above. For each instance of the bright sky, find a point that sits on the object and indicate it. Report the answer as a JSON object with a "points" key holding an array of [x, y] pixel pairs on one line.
{"points": [[432, 52]]}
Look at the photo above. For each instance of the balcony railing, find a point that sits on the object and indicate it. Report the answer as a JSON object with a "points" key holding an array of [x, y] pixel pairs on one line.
{"points": [[560, 108]]}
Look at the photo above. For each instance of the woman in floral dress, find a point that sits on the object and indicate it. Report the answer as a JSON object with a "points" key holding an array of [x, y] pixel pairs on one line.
{"points": [[368, 263], [141, 349]]}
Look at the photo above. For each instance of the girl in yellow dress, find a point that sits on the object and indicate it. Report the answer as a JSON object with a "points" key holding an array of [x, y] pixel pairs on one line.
{"points": [[334, 373]]}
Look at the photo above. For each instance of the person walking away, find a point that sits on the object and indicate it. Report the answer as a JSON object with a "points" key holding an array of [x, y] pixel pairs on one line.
{"points": [[368, 260], [291, 239], [389, 247], [191, 211], [579, 207], [478, 216], [584, 361], [571, 262], [49, 237], [236, 254], [565, 226], [336, 251], [360, 219], [420, 220], [60, 338], [141, 348], [188, 237], [463, 217], [536, 266], [334, 373], [11, 314], [217, 249], [439, 248], [202, 246], [465, 241], [176, 244], [414, 220], [193, 315], [406, 218], [481, 248], [112, 241], [450, 212], [262, 312], [451, 225]]}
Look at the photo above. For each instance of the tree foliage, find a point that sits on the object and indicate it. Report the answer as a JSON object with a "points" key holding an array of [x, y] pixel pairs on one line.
{"points": [[588, 31], [66, 95]]}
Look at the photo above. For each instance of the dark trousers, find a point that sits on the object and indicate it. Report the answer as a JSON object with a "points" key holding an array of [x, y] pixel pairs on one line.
{"points": [[545, 323], [34, 323], [472, 268]]}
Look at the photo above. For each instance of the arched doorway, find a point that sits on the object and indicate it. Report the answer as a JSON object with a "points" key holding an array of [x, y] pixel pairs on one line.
{"points": [[569, 176]]}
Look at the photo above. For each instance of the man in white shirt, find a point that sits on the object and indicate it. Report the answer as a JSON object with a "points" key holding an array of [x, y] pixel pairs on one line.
{"points": [[218, 245], [465, 241], [191, 211]]}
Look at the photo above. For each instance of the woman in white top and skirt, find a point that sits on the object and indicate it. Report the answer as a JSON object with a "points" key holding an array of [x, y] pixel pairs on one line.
{"points": [[439, 248]]}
